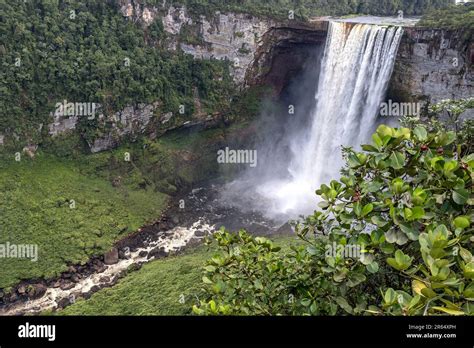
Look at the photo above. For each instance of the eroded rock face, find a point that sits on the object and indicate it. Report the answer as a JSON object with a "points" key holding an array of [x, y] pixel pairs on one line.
{"points": [[231, 36], [235, 37], [130, 120], [284, 52], [175, 19], [433, 65], [136, 11], [62, 124]]}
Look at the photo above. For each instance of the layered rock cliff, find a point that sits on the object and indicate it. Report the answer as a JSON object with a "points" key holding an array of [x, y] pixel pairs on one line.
{"points": [[431, 64]]}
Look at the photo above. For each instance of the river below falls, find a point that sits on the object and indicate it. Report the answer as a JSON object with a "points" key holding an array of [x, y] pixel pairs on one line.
{"points": [[190, 218]]}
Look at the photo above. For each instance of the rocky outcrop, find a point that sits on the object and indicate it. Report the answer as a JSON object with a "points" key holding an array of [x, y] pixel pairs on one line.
{"points": [[235, 37], [174, 20], [62, 124], [132, 120], [231, 36], [433, 65], [284, 51], [137, 11]]}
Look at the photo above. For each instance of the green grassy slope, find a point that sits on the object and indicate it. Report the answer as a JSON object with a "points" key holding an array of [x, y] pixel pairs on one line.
{"points": [[66, 210]]}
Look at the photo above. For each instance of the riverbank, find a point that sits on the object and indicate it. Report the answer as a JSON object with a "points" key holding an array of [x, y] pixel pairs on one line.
{"points": [[190, 218]]}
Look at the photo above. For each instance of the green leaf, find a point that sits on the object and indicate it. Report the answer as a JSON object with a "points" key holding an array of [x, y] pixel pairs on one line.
{"points": [[369, 148], [323, 204], [465, 254], [397, 160], [362, 158], [417, 286], [390, 296], [342, 302], [210, 268], [462, 222], [448, 310], [353, 160], [312, 250], [373, 267], [417, 213], [404, 133], [377, 220], [450, 166], [420, 133], [367, 209], [460, 196], [206, 280], [384, 130], [401, 261], [391, 236], [357, 209], [377, 141], [392, 262], [213, 306], [428, 292], [367, 258], [419, 196], [398, 185], [258, 284], [355, 279], [469, 291], [469, 270], [374, 186], [410, 231]]}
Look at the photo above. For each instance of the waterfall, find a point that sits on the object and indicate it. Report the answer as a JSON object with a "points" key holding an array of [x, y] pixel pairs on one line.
{"points": [[355, 71], [357, 65]]}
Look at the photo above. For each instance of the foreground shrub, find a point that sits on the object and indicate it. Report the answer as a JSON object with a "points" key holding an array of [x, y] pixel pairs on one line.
{"points": [[393, 236]]}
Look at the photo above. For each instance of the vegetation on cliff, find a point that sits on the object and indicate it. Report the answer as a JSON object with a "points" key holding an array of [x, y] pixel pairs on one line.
{"points": [[309, 8], [57, 50], [453, 17], [88, 52]]}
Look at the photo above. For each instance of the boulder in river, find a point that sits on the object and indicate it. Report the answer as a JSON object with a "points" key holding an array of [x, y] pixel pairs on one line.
{"points": [[22, 289], [65, 301], [66, 285], [111, 257], [36, 291], [200, 233], [157, 253], [104, 279]]}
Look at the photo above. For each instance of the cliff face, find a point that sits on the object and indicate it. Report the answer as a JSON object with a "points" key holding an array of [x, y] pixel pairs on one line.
{"points": [[285, 49], [231, 36], [261, 51], [433, 65], [235, 37]]}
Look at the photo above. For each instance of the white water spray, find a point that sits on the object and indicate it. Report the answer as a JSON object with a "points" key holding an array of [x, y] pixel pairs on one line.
{"points": [[356, 68]]}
